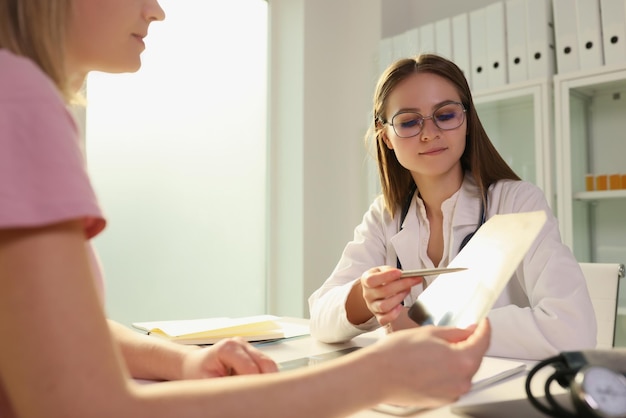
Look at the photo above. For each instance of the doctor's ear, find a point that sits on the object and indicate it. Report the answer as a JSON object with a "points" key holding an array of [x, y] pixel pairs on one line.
{"points": [[386, 140], [382, 133], [384, 137]]}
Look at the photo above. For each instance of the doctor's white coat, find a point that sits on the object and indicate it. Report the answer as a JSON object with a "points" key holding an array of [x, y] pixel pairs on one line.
{"points": [[544, 309]]}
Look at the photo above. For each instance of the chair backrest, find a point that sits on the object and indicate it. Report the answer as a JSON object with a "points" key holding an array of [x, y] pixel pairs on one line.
{"points": [[603, 284]]}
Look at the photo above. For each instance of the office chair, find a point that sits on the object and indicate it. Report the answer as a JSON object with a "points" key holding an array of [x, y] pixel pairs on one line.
{"points": [[603, 285]]}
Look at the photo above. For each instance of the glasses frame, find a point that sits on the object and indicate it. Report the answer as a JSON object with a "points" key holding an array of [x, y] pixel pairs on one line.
{"points": [[424, 118]]}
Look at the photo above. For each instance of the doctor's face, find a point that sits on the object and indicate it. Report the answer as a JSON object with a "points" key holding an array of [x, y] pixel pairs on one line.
{"points": [[436, 149]]}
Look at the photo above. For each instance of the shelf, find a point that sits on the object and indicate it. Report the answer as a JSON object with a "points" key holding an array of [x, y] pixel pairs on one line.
{"points": [[590, 81], [600, 195], [589, 123]]}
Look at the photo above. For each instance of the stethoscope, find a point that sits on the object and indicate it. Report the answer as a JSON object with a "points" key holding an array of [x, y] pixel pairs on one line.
{"points": [[405, 211]]}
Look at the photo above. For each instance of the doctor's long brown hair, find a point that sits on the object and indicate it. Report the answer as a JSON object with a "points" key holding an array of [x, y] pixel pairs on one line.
{"points": [[480, 157]]}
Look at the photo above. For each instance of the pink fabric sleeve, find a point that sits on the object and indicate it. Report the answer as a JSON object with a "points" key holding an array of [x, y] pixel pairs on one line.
{"points": [[43, 179]]}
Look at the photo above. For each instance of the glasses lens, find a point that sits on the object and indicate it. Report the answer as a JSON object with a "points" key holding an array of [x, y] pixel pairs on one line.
{"points": [[449, 116], [407, 124]]}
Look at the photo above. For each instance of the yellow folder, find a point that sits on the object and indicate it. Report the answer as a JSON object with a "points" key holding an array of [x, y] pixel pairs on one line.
{"points": [[211, 330]]}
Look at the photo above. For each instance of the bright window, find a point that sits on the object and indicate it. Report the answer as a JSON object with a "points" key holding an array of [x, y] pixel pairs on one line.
{"points": [[177, 153]]}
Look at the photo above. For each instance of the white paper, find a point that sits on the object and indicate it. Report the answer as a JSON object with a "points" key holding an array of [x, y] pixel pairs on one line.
{"points": [[465, 297], [492, 370]]}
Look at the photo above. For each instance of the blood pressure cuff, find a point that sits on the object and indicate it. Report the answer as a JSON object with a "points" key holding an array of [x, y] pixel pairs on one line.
{"points": [[572, 361], [584, 374]]}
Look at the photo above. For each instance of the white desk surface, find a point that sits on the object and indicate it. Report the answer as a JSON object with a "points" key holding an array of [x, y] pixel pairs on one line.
{"points": [[510, 389]]}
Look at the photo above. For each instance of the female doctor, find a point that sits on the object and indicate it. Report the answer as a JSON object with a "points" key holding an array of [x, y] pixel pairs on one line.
{"points": [[441, 178]]}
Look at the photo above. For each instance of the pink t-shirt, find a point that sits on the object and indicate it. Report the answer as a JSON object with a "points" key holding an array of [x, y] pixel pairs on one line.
{"points": [[43, 177]]}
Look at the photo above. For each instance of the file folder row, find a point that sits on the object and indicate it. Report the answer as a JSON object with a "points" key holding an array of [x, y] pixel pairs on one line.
{"points": [[589, 33], [504, 42], [516, 40]]}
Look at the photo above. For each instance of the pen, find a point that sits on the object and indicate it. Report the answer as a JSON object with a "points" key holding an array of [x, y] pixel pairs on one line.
{"points": [[430, 272]]}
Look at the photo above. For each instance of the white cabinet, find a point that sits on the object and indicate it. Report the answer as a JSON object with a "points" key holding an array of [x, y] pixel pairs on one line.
{"points": [[518, 119], [590, 134]]}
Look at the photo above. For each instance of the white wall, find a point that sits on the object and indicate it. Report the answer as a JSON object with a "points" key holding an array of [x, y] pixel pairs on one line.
{"points": [[322, 77], [399, 15], [177, 156]]}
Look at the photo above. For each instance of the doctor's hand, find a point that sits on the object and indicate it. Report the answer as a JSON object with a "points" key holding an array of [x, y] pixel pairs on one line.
{"points": [[383, 291], [231, 356]]}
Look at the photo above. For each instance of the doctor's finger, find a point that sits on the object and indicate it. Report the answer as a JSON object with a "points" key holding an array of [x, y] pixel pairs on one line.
{"points": [[389, 316], [389, 278], [388, 289], [384, 305], [379, 276]]}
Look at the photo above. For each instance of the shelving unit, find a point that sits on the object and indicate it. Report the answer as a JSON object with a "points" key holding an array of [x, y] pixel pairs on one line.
{"points": [[518, 119], [600, 195], [590, 134]]}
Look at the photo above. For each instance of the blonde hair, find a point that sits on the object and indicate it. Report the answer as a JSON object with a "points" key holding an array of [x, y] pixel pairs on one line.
{"points": [[36, 29]]}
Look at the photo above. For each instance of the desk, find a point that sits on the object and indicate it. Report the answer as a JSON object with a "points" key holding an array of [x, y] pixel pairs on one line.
{"points": [[511, 389]]}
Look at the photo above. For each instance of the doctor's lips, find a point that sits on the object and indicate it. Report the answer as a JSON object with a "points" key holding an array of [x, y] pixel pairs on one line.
{"points": [[434, 151]]}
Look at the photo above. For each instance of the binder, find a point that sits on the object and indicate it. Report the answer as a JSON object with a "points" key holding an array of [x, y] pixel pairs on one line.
{"points": [[566, 36], [590, 52], [427, 38], [517, 53], [540, 39], [613, 21], [443, 38], [496, 45], [478, 48], [461, 45]]}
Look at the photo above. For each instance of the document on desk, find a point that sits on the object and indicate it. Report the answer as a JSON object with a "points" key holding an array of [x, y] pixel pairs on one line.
{"points": [[210, 330], [492, 370], [464, 297]]}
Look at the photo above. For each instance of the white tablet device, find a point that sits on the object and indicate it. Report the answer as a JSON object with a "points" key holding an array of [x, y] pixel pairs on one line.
{"points": [[314, 359]]}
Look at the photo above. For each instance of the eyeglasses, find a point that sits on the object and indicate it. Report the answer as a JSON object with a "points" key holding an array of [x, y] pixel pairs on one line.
{"points": [[447, 116]]}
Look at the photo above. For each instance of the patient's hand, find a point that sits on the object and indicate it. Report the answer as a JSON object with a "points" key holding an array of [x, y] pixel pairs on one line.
{"points": [[231, 356]]}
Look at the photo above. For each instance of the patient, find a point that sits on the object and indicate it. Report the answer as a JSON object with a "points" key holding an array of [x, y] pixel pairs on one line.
{"points": [[60, 356], [441, 178]]}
